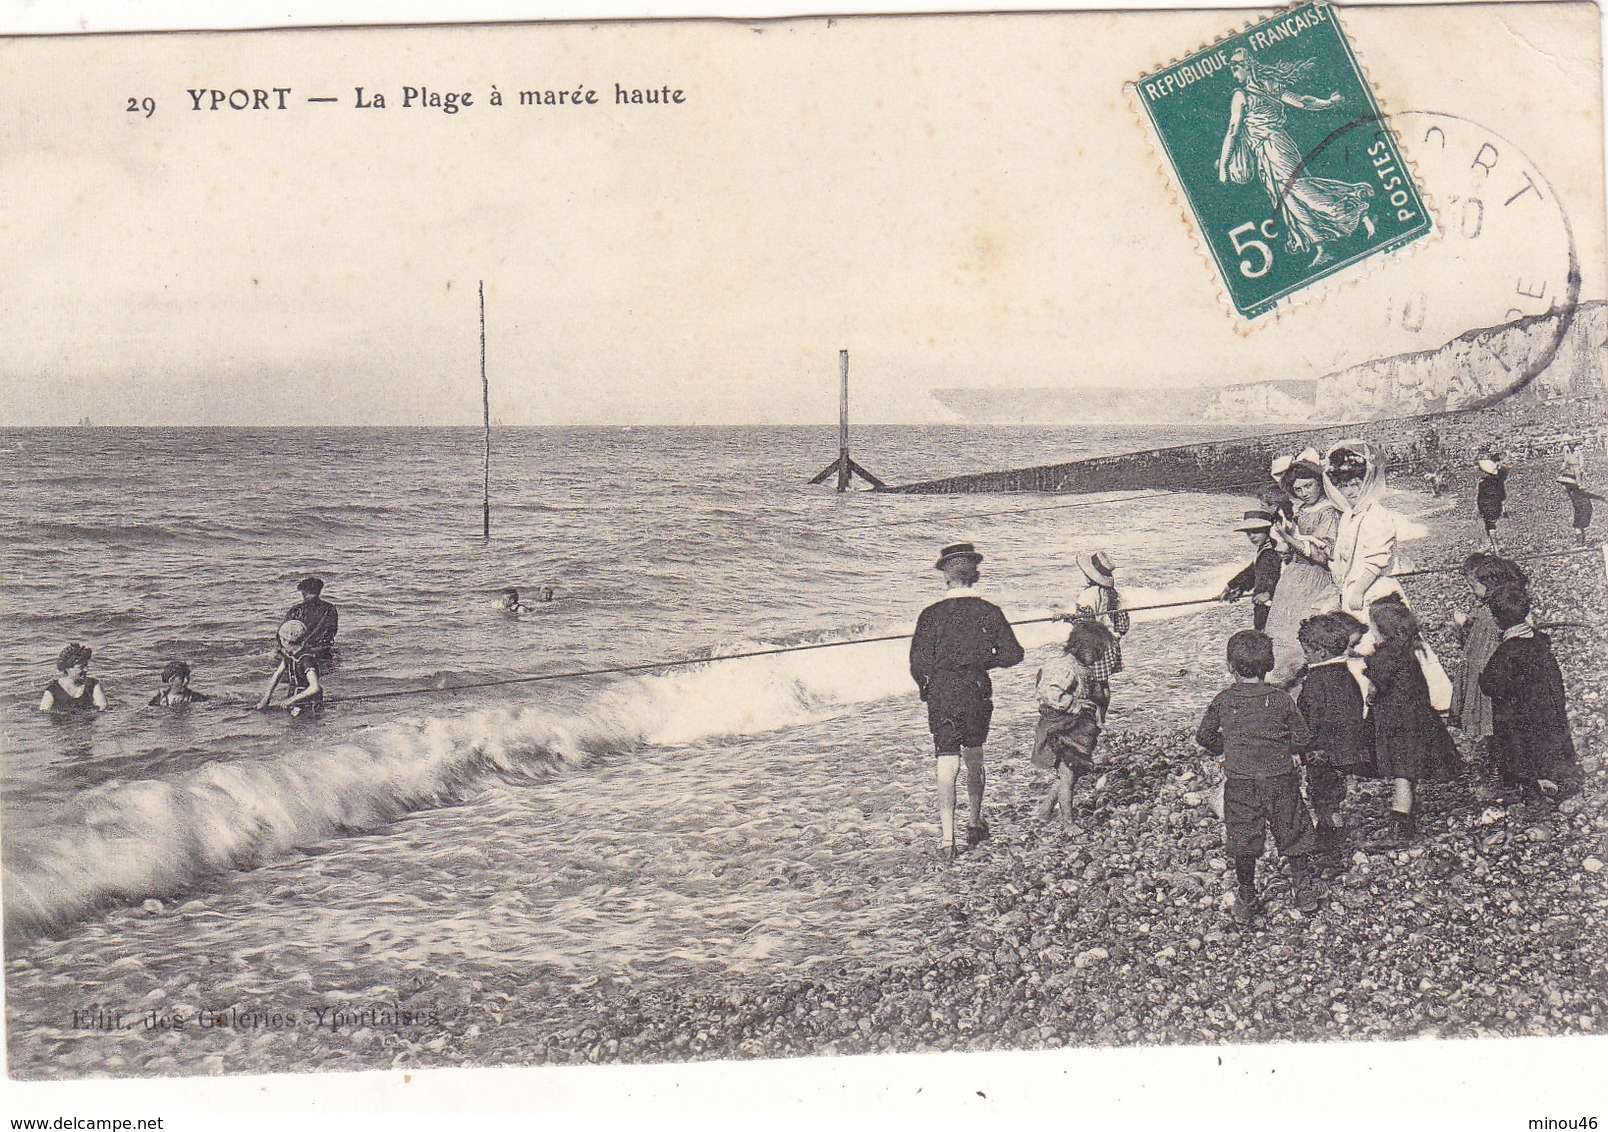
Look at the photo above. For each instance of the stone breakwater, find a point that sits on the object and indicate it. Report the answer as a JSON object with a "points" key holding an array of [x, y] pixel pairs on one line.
{"points": [[1113, 933], [1414, 444]]}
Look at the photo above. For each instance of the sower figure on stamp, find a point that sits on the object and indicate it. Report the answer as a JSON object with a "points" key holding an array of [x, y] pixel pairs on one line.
{"points": [[1312, 210], [957, 640]]}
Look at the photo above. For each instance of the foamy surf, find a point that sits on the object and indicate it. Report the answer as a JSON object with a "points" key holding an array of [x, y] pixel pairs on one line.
{"points": [[125, 841]]}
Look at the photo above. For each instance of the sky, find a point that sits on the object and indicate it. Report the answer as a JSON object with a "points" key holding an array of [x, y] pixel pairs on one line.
{"points": [[957, 201]]}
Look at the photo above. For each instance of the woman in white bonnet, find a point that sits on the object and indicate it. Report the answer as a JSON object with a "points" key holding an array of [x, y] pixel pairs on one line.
{"points": [[1364, 555]]}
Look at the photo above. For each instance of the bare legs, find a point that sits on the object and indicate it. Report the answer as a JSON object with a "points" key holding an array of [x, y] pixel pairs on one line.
{"points": [[1060, 794], [948, 771]]}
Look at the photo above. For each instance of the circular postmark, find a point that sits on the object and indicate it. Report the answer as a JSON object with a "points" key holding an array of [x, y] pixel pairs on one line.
{"points": [[1494, 290]]}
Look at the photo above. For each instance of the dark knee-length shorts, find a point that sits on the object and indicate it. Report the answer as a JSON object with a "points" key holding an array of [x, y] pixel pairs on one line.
{"points": [[959, 706], [1252, 804]]}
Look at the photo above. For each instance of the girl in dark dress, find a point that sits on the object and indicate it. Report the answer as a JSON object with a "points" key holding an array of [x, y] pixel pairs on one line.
{"points": [[1530, 718], [1411, 744], [74, 690], [1490, 496]]}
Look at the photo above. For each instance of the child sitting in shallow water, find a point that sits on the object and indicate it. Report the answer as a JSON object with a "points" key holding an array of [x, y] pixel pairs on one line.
{"points": [[176, 690]]}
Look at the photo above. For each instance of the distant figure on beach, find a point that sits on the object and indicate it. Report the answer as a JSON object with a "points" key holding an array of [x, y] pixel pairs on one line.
{"points": [[176, 690], [1306, 586], [1580, 501], [1574, 461], [1489, 497], [1437, 481], [1101, 602], [299, 670], [74, 691], [1260, 579], [1258, 732], [1072, 707], [1532, 744], [1313, 211], [957, 640], [319, 616]]}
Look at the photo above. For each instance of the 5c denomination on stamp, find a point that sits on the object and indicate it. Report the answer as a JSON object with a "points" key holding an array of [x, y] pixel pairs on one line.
{"points": [[1283, 157]]}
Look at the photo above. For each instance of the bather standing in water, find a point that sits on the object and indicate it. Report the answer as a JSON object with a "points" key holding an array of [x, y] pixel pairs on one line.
{"points": [[74, 691]]}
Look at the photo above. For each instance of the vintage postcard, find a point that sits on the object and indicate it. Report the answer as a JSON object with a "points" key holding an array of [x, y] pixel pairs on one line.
{"points": [[607, 543]]}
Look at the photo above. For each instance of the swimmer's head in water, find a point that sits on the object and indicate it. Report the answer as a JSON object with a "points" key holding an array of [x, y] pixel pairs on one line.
{"points": [[175, 670], [312, 587], [72, 656], [291, 632]]}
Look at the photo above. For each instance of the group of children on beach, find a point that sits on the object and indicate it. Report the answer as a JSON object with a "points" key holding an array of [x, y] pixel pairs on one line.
{"points": [[1361, 708]]}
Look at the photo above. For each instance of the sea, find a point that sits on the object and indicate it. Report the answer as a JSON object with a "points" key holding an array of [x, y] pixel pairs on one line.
{"points": [[718, 817]]}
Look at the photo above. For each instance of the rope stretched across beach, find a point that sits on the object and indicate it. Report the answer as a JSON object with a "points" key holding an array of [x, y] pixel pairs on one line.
{"points": [[685, 662]]}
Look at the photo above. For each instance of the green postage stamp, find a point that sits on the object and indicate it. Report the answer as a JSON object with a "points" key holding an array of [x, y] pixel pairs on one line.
{"points": [[1288, 166]]}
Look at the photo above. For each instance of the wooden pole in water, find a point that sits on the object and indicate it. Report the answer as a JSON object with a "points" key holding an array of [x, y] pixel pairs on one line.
{"points": [[843, 475], [845, 467], [485, 406]]}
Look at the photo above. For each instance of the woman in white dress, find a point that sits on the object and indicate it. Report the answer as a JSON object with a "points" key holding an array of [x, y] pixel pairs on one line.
{"points": [[1364, 554]]}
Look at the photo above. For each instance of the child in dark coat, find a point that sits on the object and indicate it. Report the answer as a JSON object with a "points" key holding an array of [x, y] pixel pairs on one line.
{"points": [[1411, 744], [1489, 497], [1331, 702], [1261, 578], [1257, 730], [1580, 502], [1530, 718]]}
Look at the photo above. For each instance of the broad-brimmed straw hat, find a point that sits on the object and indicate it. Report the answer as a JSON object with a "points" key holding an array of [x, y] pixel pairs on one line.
{"points": [[956, 552], [1568, 480], [1255, 521], [1098, 568], [1489, 467]]}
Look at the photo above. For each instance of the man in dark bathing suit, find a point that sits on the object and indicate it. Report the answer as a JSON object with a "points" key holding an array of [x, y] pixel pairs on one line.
{"points": [[321, 618]]}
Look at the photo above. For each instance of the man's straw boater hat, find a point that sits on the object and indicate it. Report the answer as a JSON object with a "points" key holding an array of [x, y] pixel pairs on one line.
{"points": [[1568, 479], [1489, 467], [957, 552], [1255, 521]]}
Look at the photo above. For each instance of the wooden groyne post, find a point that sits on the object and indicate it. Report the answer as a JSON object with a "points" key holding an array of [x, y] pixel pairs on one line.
{"points": [[845, 468], [485, 408]]}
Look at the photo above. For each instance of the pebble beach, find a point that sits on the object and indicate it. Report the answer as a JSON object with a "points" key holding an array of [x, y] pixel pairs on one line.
{"points": [[1115, 933]]}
